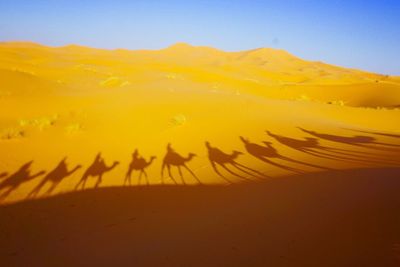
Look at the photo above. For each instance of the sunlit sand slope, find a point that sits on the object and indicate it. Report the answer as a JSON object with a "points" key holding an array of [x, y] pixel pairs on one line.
{"points": [[74, 117]]}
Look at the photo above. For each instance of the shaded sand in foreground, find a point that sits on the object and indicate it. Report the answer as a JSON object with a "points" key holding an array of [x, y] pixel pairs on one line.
{"points": [[335, 218]]}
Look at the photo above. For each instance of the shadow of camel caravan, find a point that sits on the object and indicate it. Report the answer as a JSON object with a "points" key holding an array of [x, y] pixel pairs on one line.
{"points": [[312, 146], [219, 158], [358, 140], [268, 151]]}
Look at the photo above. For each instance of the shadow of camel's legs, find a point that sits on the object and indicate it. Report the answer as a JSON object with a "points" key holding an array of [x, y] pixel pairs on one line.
{"points": [[281, 166], [252, 172], [233, 173], [192, 173], [37, 188], [305, 163], [52, 187], [99, 180], [128, 178], [180, 174], [170, 174], [339, 157], [140, 178], [82, 182], [6, 193], [145, 176], [217, 172], [162, 173]]}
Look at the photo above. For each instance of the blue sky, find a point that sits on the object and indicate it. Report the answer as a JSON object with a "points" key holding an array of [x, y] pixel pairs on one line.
{"points": [[351, 33]]}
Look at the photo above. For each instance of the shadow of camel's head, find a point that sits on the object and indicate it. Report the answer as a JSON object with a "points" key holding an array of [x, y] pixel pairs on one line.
{"points": [[244, 140], [26, 166], [237, 152]]}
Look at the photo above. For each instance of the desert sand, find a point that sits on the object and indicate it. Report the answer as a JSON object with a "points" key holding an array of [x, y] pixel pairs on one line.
{"points": [[193, 156]]}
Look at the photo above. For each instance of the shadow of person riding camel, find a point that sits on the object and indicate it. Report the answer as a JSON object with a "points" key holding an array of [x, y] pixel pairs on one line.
{"points": [[96, 169], [16, 179], [139, 164], [358, 140], [219, 158], [172, 158], [54, 177], [267, 152], [3, 174], [312, 146]]}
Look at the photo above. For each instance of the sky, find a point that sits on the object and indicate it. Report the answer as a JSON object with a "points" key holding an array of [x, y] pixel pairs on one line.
{"points": [[362, 34]]}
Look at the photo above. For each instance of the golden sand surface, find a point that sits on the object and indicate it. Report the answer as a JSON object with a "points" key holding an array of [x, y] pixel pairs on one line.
{"points": [[62, 106], [192, 156]]}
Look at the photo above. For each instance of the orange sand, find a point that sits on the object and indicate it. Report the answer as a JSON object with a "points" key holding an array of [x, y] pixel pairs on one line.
{"points": [[264, 113]]}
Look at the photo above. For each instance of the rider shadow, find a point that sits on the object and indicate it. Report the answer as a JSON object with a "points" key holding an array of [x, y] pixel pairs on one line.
{"points": [[139, 164], [219, 158], [97, 169], [267, 152], [54, 177], [358, 140], [2, 175], [16, 179], [312, 147], [172, 158]]}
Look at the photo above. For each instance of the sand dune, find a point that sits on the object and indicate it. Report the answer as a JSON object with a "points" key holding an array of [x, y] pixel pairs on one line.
{"points": [[73, 102], [251, 158]]}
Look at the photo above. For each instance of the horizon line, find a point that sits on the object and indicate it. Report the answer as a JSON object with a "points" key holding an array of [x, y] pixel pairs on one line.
{"points": [[187, 44]]}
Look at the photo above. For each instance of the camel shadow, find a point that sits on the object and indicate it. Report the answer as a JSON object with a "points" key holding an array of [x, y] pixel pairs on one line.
{"points": [[219, 158], [15, 180], [358, 140], [312, 146], [376, 133], [54, 177], [172, 158], [3, 174], [267, 152], [138, 163], [96, 169]]}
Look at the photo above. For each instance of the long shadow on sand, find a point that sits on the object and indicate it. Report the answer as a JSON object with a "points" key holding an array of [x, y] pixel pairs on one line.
{"points": [[358, 140], [219, 158], [139, 164], [97, 169], [267, 152], [16, 179], [376, 133], [311, 146], [174, 159], [3, 174], [54, 177]]}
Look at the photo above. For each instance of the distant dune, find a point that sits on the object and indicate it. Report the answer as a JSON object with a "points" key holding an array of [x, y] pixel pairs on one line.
{"points": [[265, 72]]}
